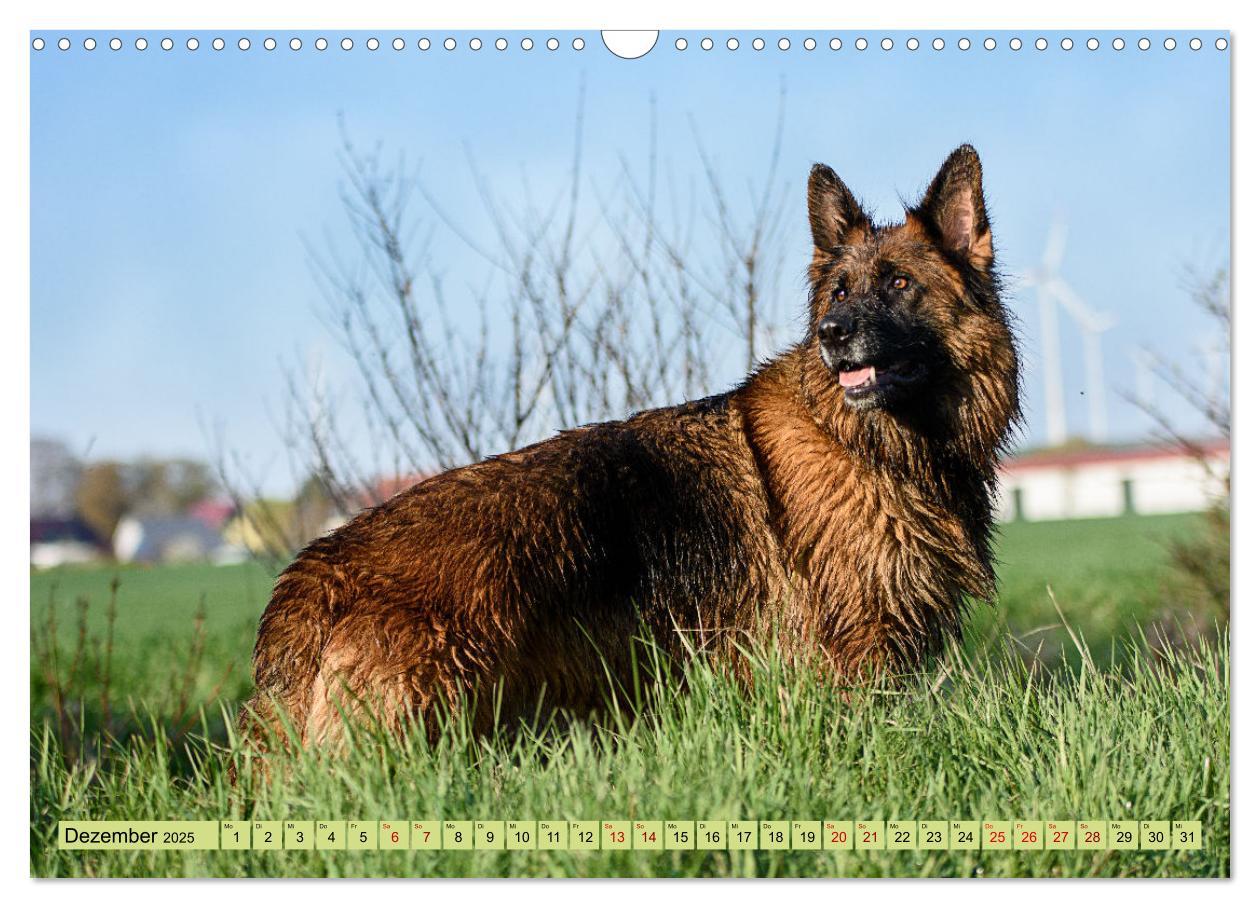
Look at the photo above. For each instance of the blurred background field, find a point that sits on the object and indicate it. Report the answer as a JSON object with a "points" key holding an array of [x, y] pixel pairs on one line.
{"points": [[187, 630]]}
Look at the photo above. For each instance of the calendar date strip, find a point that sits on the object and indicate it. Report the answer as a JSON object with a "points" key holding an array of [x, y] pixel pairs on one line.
{"points": [[631, 835]]}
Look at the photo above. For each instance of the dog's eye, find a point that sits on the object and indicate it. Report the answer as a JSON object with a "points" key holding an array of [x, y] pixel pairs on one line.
{"points": [[900, 282], [841, 295]]}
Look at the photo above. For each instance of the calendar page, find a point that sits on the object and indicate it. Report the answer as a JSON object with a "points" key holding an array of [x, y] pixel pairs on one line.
{"points": [[550, 453]]}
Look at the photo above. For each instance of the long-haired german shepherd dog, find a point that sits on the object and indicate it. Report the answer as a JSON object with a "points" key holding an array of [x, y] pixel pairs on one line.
{"points": [[841, 496]]}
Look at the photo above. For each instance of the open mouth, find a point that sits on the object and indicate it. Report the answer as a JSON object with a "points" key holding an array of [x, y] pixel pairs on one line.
{"points": [[862, 381]]}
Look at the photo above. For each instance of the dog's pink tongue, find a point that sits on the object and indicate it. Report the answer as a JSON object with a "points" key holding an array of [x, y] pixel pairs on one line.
{"points": [[857, 377]]}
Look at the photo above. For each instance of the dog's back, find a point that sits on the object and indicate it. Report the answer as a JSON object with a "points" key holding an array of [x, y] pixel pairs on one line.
{"points": [[531, 571]]}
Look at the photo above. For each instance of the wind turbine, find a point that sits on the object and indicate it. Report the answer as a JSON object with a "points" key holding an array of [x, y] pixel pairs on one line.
{"points": [[1040, 279], [1092, 324], [1053, 292]]}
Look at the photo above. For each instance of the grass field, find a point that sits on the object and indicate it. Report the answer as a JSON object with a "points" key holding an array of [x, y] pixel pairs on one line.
{"points": [[1014, 724]]}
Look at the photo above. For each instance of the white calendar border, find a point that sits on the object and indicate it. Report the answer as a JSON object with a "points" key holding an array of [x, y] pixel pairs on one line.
{"points": [[568, 14]]}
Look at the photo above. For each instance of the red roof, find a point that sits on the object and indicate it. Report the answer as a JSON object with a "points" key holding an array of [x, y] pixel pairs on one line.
{"points": [[1079, 457], [387, 487], [214, 513]]}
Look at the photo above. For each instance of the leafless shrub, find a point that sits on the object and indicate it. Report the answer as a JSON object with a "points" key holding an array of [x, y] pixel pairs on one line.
{"points": [[609, 295], [1201, 561], [76, 694]]}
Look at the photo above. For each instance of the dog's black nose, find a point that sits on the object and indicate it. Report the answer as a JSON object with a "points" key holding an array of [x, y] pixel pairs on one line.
{"points": [[836, 327]]}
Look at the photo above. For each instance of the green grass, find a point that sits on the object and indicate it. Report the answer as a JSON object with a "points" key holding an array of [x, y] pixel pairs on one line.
{"points": [[1108, 575], [1015, 724], [183, 636], [979, 740]]}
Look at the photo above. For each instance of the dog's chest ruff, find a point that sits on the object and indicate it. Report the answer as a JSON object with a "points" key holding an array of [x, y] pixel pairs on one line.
{"points": [[875, 563]]}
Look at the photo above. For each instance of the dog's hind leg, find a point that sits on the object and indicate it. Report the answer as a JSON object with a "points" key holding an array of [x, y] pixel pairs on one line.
{"points": [[387, 670]]}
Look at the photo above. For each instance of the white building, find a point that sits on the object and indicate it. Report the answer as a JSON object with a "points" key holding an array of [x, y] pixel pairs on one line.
{"points": [[63, 540], [1110, 481], [156, 540]]}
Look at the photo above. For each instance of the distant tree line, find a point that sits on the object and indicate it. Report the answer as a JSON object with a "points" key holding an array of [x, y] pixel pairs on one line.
{"points": [[101, 492]]}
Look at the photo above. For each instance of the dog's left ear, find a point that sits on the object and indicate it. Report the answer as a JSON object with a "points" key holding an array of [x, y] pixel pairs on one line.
{"points": [[953, 208], [834, 213]]}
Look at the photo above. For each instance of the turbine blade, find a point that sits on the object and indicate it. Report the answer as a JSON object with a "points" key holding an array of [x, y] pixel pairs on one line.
{"points": [[1091, 320], [1056, 243]]}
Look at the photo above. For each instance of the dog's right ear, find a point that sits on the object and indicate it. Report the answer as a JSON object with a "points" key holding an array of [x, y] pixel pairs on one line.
{"points": [[833, 211]]}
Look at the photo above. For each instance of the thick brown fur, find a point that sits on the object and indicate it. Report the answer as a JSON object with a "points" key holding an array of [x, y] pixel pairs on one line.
{"points": [[779, 504]]}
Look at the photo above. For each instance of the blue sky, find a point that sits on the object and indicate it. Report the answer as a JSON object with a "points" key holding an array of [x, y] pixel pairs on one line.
{"points": [[171, 190]]}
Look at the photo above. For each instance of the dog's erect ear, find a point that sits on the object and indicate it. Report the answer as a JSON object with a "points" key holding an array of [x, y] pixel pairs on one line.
{"points": [[953, 207], [833, 211]]}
